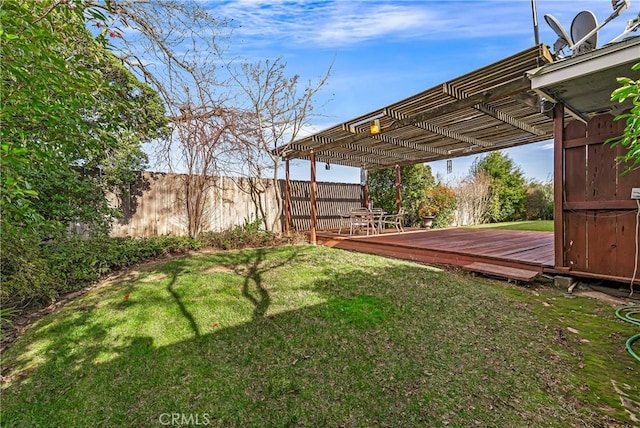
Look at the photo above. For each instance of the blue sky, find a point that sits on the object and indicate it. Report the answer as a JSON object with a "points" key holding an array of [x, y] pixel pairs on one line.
{"points": [[409, 45]]}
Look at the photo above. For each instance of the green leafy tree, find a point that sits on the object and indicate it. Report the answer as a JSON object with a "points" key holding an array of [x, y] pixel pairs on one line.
{"points": [[507, 184], [73, 121], [73, 117], [415, 180], [629, 90], [539, 201]]}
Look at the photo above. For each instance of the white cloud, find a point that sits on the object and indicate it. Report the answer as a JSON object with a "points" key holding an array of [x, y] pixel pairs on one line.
{"points": [[548, 146], [343, 23]]}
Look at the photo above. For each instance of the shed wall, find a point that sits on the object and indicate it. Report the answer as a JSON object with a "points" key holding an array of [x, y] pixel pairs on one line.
{"points": [[598, 215]]}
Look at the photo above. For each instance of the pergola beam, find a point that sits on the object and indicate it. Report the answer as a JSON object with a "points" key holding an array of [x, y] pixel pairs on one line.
{"points": [[501, 91], [434, 129], [380, 152], [328, 144], [356, 160], [485, 108], [411, 145]]}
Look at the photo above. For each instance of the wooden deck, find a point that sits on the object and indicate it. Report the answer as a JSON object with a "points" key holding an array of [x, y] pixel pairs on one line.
{"points": [[512, 254]]}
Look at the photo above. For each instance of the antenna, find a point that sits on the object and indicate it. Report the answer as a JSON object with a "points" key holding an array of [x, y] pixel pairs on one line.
{"points": [[582, 33], [534, 13], [585, 25], [632, 25]]}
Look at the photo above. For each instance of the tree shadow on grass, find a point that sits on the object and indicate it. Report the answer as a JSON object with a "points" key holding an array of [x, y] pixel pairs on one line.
{"points": [[175, 274], [252, 265], [253, 288], [405, 366]]}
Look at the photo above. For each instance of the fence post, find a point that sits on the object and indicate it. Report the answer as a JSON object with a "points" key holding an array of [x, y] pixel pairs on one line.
{"points": [[287, 200]]}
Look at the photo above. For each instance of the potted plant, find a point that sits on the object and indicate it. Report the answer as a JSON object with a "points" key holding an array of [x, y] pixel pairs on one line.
{"points": [[438, 206], [427, 212]]}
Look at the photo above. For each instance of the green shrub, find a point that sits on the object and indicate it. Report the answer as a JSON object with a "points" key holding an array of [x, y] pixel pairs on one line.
{"points": [[440, 203], [249, 234], [6, 321], [26, 277], [36, 271]]}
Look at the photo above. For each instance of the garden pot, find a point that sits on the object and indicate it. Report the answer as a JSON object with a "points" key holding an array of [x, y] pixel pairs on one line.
{"points": [[427, 222]]}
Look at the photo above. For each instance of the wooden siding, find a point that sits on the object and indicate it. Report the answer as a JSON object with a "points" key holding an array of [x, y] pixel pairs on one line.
{"points": [[598, 214]]}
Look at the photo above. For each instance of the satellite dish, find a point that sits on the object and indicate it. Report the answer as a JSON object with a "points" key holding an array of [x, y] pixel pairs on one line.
{"points": [[563, 37], [584, 37], [584, 29]]}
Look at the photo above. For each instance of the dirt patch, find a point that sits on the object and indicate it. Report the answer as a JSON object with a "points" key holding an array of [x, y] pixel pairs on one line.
{"points": [[154, 278], [217, 269]]}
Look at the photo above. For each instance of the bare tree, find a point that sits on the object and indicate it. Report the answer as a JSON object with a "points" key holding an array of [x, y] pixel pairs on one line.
{"points": [[473, 195], [279, 107], [203, 141], [175, 47]]}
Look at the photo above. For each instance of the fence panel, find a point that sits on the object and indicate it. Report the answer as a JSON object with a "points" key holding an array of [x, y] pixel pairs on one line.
{"points": [[156, 205], [332, 199]]}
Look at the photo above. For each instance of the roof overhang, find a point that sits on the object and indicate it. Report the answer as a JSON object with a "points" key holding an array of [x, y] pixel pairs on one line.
{"points": [[584, 83]]}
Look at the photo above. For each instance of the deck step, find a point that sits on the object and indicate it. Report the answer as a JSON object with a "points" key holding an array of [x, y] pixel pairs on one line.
{"points": [[503, 271]]}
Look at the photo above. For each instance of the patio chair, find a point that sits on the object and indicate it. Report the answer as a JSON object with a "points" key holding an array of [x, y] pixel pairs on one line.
{"points": [[361, 218], [345, 220], [378, 213], [395, 220]]}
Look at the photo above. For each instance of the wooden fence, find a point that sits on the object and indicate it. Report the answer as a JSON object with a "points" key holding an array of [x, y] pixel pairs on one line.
{"points": [[331, 200], [155, 204], [598, 215]]}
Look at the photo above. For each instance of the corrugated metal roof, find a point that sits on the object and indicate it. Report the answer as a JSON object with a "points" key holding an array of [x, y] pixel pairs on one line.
{"points": [[487, 109]]}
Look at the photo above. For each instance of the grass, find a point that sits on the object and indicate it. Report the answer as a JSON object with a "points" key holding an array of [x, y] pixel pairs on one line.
{"points": [[535, 225], [313, 336]]}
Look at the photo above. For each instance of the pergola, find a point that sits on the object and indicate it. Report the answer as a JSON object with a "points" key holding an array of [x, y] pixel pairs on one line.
{"points": [[491, 108]]}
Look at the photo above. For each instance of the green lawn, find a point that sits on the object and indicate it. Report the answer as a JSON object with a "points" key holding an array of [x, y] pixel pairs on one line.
{"points": [[313, 336], [536, 225]]}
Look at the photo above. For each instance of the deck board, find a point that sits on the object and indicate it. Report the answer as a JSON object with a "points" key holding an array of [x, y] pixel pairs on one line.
{"points": [[503, 271], [515, 249]]}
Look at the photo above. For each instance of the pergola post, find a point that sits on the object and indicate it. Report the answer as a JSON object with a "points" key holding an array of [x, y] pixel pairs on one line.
{"points": [[364, 181], [312, 158], [558, 184], [398, 195], [287, 200]]}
